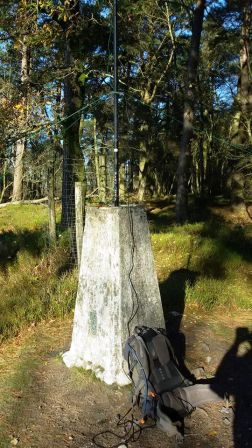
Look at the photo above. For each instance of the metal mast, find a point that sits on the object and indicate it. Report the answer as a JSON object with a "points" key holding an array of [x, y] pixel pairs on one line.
{"points": [[116, 138]]}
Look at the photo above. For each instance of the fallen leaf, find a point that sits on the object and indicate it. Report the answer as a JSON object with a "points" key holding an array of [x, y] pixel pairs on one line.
{"points": [[212, 433]]}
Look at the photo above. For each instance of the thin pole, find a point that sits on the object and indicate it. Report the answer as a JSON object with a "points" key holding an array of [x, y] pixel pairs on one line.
{"points": [[116, 139]]}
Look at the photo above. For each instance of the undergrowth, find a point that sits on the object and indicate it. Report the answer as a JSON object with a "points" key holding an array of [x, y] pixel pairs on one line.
{"points": [[206, 262], [35, 279]]}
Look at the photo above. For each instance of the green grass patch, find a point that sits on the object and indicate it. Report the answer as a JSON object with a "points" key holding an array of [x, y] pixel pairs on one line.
{"points": [[35, 279], [207, 262], [23, 217]]}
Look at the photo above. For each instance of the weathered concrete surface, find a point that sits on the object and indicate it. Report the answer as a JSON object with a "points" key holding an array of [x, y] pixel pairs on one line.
{"points": [[118, 289]]}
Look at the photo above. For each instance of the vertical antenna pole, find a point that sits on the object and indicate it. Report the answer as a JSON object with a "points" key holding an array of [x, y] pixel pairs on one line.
{"points": [[116, 139]]}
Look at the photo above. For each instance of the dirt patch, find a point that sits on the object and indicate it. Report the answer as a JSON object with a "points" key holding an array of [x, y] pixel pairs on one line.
{"points": [[46, 405]]}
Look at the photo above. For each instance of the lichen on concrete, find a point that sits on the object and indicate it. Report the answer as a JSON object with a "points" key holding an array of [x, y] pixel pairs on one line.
{"points": [[117, 289]]}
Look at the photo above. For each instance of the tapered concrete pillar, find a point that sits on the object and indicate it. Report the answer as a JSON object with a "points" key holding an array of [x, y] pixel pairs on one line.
{"points": [[118, 289]]}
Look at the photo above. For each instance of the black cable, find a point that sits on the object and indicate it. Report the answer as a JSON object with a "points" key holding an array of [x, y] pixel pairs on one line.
{"points": [[184, 403], [130, 435], [135, 306]]}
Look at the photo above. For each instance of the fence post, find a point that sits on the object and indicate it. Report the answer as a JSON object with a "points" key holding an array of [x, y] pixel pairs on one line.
{"points": [[103, 177], [96, 158], [79, 217], [51, 204], [122, 181]]}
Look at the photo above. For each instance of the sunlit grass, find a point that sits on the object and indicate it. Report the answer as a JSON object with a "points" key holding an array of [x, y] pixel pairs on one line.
{"points": [[207, 262], [35, 280], [23, 217]]}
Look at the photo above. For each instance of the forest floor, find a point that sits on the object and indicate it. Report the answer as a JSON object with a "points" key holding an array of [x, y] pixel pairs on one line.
{"points": [[44, 404]]}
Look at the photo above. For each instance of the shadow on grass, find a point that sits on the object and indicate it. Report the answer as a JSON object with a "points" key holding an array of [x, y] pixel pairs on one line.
{"points": [[237, 239], [233, 238], [172, 293], [160, 223], [11, 243]]}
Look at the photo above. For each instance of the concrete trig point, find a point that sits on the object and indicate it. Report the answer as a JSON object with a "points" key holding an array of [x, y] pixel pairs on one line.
{"points": [[118, 288]]}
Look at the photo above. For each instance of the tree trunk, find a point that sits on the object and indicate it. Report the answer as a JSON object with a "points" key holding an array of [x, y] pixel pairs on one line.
{"points": [[237, 193], [122, 181], [20, 145], [18, 171], [73, 162], [129, 175], [5, 185], [201, 169], [143, 162], [240, 131], [142, 176], [245, 76], [187, 133]]}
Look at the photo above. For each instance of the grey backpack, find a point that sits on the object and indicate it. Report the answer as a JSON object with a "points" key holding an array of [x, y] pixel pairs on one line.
{"points": [[156, 378], [160, 390]]}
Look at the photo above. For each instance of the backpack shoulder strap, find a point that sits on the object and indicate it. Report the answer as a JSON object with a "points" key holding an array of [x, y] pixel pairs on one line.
{"points": [[164, 369], [138, 364]]}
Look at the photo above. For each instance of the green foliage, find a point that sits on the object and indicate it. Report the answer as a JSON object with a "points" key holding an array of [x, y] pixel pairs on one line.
{"points": [[82, 78]]}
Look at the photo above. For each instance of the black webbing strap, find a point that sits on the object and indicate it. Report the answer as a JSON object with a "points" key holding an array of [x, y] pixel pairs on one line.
{"points": [[164, 373]]}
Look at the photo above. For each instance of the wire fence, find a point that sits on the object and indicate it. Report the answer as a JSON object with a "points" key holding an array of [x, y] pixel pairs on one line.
{"points": [[51, 181], [48, 177]]}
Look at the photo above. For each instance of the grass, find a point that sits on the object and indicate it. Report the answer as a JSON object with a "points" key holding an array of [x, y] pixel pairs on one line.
{"points": [[34, 280], [206, 262]]}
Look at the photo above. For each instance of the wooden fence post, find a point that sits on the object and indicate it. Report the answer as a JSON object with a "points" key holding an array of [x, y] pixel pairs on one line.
{"points": [[122, 181], [103, 178], [51, 204], [96, 158], [79, 218]]}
